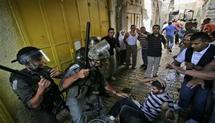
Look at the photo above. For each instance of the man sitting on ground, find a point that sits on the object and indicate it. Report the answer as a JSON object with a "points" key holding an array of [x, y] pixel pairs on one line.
{"points": [[132, 111]]}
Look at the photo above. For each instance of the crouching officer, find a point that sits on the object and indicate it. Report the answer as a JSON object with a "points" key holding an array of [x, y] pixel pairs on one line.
{"points": [[84, 95], [37, 89]]}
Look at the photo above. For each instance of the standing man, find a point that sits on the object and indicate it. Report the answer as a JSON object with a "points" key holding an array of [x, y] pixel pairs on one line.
{"points": [[196, 58], [113, 44], [170, 30], [122, 59], [144, 44], [131, 42], [154, 51]]}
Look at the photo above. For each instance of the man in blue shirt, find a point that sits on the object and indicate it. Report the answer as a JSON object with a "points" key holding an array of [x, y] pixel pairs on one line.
{"points": [[170, 29]]}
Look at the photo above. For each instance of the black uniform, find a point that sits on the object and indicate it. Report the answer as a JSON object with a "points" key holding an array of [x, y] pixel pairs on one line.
{"points": [[26, 88]]}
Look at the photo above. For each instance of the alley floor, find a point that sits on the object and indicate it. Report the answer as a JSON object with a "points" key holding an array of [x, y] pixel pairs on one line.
{"points": [[131, 79]]}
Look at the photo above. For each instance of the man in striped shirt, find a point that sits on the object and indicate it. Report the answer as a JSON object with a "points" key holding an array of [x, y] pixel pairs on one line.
{"points": [[131, 111]]}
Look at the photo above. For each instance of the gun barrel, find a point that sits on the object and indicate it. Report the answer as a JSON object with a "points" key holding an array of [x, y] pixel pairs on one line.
{"points": [[87, 43], [12, 70]]}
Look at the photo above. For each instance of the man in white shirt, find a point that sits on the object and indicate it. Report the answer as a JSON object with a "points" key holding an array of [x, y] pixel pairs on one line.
{"points": [[131, 42]]}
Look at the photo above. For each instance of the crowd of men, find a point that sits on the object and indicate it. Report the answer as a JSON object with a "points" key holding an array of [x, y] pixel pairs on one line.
{"points": [[85, 84]]}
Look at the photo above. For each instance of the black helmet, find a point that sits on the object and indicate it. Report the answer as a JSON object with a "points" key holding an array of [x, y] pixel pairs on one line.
{"points": [[26, 54]]}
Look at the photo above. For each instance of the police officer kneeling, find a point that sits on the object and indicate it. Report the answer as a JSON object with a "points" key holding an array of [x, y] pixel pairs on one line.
{"points": [[37, 89], [85, 94]]}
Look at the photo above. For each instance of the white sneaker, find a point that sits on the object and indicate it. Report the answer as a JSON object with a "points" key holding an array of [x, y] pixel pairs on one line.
{"points": [[191, 121], [111, 119]]}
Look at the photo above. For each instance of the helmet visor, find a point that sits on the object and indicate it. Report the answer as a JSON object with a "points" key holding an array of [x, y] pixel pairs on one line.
{"points": [[38, 59]]}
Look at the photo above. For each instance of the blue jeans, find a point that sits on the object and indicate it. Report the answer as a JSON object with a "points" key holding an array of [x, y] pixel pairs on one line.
{"points": [[76, 110], [197, 96], [144, 56], [170, 41], [212, 118]]}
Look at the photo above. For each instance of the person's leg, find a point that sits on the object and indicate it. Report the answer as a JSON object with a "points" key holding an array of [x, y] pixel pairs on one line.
{"points": [[199, 103], [112, 66], [131, 115], [176, 38], [149, 66], [212, 118], [144, 53], [120, 57], [128, 55], [171, 39], [118, 60], [168, 41], [123, 56], [43, 117], [75, 110], [185, 95], [115, 110], [156, 66], [134, 56]]}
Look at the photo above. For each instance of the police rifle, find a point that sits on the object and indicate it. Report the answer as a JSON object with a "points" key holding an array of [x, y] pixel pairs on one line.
{"points": [[2, 67], [55, 93], [87, 44]]}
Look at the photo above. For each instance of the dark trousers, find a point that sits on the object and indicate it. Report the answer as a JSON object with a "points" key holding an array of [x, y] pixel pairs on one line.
{"points": [[43, 117], [122, 57], [170, 41], [197, 96], [144, 56], [212, 118], [176, 38], [128, 112], [131, 52]]}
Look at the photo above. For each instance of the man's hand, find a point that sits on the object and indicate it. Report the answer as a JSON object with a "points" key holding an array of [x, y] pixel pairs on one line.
{"points": [[138, 31], [43, 85], [54, 73], [194, 82], [178, 69], [83, 73], [121, 94], [189, 66]]}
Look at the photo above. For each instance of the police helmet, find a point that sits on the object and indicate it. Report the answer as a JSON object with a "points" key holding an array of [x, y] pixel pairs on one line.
{"points": [[99, 51], [28, 54], [93, 41]]}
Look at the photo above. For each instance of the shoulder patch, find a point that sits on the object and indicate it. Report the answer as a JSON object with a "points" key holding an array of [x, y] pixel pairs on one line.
{"points": [[14, 84]]}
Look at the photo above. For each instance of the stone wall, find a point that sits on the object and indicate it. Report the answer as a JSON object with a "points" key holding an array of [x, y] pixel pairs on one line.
{"points": [[8, 49], [208, 10]]}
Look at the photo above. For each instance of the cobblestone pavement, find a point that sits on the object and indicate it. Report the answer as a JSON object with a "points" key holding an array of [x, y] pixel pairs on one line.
{"points": [[131, 79]]}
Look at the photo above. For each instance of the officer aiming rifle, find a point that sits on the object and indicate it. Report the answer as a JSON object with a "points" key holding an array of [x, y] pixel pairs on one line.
{"points": [[85, 94]]}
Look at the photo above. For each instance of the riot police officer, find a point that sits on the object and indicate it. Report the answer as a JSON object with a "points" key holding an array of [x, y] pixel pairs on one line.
{"points": [[85, 93], [37, 89]]}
